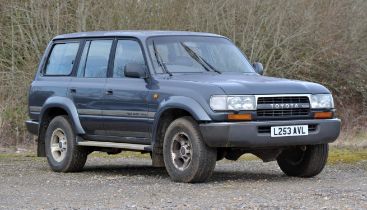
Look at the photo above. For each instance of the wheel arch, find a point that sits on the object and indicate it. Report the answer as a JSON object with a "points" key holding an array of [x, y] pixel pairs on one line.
{"points": [[65, 104], [174, 107], [171, 109], [56, 106]]}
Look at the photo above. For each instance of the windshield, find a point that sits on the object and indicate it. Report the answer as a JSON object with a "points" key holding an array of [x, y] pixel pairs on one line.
{"points": [[184, 54]]}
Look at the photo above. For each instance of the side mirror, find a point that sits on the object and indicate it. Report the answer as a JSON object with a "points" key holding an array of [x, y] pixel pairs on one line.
{"points": [[258, 68], [136, 70]]}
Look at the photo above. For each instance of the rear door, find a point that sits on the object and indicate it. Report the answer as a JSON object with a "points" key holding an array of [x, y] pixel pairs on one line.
{"points": [[125, 110], [87, 88]]}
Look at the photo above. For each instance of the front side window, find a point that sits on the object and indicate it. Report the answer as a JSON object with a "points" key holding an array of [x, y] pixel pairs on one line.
{"points": [[181, 54], [94, 60], [61, 59], [127, 52]]}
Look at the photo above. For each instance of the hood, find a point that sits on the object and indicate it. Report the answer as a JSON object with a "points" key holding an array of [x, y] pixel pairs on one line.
{"points": [[236, 84]]}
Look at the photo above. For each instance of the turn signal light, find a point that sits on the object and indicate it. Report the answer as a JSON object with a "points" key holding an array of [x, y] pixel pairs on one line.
{"points": [[239, 117], [323, 115]]}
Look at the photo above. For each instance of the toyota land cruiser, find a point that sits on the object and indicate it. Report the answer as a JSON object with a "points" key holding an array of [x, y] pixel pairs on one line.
{"points": [[189, 99]]}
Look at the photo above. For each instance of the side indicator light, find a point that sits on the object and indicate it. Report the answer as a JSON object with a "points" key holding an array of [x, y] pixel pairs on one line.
{"points": [[323, 115], [246, 117]]}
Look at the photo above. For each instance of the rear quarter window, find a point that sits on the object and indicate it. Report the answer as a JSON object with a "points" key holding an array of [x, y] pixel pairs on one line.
{"points": [[61, 59]]}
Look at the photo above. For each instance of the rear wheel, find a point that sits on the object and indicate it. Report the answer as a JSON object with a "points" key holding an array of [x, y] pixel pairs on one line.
{"points": [[187, 158], [62, 151], [307, 161]]}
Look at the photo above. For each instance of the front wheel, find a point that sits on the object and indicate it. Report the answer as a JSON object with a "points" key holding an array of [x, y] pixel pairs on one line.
{"points": [[187, 158], [306, 161]]}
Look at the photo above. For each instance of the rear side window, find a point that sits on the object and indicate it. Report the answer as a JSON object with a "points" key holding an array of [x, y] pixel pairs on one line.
{"points": [[61, 59], [94, 60], [127, 52]]}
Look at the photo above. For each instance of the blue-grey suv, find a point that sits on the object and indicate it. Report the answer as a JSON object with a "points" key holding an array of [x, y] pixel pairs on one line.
{"points": [[189, 99]]}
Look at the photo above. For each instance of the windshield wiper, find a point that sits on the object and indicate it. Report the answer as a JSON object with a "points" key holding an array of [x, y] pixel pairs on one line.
{"points": [[207, 66], [160, 60]]}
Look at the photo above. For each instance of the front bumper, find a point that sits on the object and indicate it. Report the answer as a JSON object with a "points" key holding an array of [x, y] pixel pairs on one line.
{"points": [[252, 135]]}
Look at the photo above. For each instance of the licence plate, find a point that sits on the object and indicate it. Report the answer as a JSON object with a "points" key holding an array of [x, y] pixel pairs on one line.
{"points": [[292, 130]]}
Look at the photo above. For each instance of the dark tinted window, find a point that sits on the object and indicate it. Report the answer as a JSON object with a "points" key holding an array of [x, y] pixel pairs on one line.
{"points": [[61, 60], [127, 52], [94, 61]]}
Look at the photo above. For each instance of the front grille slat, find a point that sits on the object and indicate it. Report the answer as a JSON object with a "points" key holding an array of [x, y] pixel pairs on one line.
{"points": [[282, 112], [284, 99]]}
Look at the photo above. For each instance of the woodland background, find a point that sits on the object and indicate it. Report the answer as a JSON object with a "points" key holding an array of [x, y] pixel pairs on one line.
{"points": [[323, 41]]}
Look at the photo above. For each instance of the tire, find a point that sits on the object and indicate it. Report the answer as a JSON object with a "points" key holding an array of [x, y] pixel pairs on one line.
{"points": [[186, 157], [62, 152], [304, 163]]}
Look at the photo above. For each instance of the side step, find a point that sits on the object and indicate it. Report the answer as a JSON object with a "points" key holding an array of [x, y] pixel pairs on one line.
{"points": [[137, 147]]}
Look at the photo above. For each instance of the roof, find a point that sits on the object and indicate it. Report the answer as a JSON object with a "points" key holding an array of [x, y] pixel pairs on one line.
{"points": [[135, 33]]}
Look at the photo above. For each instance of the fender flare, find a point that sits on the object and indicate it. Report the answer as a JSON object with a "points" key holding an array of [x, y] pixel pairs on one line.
{"points": [[67, 105], [179, 102]]}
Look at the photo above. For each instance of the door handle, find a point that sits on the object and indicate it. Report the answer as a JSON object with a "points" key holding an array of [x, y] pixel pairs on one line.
{"points": [[109, 92], [72, 90]]}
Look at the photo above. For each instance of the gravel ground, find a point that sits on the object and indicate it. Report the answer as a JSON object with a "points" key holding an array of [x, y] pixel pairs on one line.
{"points": [[28, 183]]}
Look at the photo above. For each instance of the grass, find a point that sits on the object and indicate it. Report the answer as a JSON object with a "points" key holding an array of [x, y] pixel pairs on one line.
{"points": [[18, 156], [347, 155], [125, 154], [336, 155], [249, 157]]}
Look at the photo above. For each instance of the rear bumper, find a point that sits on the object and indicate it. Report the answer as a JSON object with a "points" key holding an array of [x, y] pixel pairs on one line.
{"points": [[32, 126], [247, 134]]}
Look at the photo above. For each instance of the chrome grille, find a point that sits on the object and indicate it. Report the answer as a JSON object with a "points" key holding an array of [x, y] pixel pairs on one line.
{"points": [[282, 112], [283, 100]]}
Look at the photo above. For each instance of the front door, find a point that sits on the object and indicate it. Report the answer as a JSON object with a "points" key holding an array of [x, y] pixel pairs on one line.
{"points": [[125, 110]]}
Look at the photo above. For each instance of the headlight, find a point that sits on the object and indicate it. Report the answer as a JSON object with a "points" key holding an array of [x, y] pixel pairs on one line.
{"points": [[222, 103], [319, 101]]}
